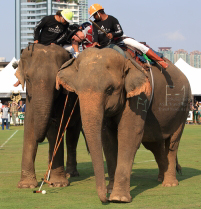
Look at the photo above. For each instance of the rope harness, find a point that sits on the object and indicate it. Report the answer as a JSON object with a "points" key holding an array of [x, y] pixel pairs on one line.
{"points": [[57, 144]]}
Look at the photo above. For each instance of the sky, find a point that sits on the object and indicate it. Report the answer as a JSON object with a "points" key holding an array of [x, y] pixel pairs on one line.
{"points": [[159, 23]]}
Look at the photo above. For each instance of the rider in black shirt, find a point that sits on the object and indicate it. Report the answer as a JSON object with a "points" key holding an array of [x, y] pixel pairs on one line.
{"points": [[107, 23], [107, 30], [111, 26], [51, 29]]}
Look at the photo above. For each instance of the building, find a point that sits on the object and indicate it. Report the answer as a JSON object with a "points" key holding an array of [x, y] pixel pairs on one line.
{"points": [[195, 59], [181, 53], [29, 12], [167, 53], [83, 11]]}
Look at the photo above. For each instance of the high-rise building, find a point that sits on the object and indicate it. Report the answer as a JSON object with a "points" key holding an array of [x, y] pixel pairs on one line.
{"points": [[167, 53], [195, 59], [181, 53], [29, 12]]}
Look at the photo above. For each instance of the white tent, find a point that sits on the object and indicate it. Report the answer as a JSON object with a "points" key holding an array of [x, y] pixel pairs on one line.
{"points": [[7, 79], [193, 75]]}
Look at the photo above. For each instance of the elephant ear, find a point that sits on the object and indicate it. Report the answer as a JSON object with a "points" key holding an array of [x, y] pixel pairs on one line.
{"points": [[68, 63], [20, 72], [136, 82], [66, 76]]}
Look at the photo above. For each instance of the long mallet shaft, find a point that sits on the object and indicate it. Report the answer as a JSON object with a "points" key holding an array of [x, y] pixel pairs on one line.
{"points": [[98, 26]]}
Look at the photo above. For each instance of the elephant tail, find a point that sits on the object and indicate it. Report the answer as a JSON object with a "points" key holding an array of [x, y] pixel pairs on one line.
{"points": [[178, 167]]}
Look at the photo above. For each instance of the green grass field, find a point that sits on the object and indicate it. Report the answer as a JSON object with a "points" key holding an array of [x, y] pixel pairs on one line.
{"points": [[145, 190]]}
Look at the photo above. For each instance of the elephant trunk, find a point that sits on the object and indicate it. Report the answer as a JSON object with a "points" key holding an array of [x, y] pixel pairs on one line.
{"points": [[92, 118], [42, 109]]}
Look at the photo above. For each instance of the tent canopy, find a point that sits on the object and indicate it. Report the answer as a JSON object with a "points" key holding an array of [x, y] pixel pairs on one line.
{"points": [[7, 80], [193, 75]]}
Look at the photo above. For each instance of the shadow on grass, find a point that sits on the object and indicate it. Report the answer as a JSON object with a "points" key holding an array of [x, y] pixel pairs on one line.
{"points": [[43, 143], [141, 179], [145, 179]]}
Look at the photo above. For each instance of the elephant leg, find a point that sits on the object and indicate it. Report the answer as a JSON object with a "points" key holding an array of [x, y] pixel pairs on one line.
{"points": [[28, 176], [130, 132], [158, 149], [57, 175], [110, 147], [171, 148], [72, 136]]}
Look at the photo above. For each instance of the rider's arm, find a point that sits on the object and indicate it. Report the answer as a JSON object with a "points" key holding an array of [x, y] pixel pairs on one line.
{"points": [[38, 27], [118, 32]]}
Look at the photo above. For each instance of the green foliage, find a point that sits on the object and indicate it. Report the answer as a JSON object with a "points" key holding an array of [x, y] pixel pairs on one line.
{"points": [[145, 190]]}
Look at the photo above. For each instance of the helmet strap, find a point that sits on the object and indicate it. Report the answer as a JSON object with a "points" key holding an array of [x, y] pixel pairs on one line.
{"points": [[98, 15]]}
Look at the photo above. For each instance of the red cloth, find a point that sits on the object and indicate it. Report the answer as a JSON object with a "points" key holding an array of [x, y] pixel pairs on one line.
{"points": [[88, 37]]}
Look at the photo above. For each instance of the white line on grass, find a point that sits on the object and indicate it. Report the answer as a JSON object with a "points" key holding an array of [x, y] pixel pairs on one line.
{"points": [[8, 139]]}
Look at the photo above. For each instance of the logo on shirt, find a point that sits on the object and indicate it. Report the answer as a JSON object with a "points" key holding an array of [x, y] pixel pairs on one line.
{"points": [[103, 28], [55, 30]]}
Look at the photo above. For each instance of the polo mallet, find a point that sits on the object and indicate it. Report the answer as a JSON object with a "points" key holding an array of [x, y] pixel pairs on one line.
{"points": [[100, 29]]}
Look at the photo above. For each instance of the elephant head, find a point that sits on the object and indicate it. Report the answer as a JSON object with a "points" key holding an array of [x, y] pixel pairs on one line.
{"points": [[38, 68], [103, 80]]}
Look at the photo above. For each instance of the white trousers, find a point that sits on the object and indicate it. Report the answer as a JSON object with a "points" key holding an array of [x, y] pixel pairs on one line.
{"points": [[69, 48], [136, 44]]}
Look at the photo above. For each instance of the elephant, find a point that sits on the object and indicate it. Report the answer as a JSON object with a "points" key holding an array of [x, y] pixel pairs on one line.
{"points": [[121, 108], [38, 67]]}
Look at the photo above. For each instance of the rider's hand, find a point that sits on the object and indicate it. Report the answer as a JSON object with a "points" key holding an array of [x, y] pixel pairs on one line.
{"points": [[109, 35], [95, 44], [36, 41]]}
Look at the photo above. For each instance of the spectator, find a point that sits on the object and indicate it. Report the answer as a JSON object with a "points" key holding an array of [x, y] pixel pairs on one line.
{"points": [[195, 112], [24, 108], [14, 112], [19, 111], [5, 110]]}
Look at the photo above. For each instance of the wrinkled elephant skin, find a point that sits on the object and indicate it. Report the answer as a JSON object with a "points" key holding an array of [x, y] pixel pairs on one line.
{"points": [[38, 67], [121, 115]]}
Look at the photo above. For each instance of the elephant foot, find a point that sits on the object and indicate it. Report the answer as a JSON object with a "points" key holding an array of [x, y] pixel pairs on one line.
{"points": [[72, 173], [160, 178], [27, 183], [110, 187], [59, 183], [170, 183], [120, 197], [58, 178]]}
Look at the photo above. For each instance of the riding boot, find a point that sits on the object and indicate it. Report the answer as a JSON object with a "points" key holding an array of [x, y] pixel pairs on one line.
{"points": [[152, 55]]}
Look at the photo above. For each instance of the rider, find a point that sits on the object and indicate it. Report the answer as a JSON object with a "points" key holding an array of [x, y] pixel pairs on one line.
{"points": [[106, 28], [52, 29], [84, 35], [111, 26]]}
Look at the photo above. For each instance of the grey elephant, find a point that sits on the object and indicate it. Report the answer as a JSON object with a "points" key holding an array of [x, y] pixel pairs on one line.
{"points": [[38, 67], [119, 111]]}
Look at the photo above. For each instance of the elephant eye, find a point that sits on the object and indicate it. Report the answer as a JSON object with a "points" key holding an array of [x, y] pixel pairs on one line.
{"points": [[109, 90]]}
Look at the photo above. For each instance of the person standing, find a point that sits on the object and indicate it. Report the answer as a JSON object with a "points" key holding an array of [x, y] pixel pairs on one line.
{"points": [[195, 112], [5, 110], [14, 112]]}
